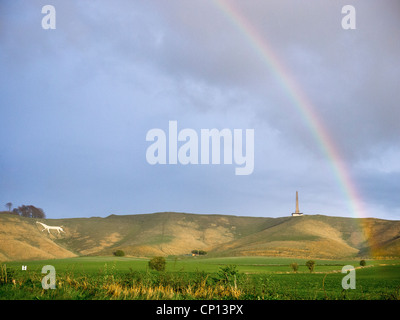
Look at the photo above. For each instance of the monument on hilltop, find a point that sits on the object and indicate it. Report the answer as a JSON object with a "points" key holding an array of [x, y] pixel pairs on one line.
{"points": [[297, 213]]}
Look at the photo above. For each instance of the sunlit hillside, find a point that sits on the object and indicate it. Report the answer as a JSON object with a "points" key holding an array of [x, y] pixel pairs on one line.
{"points": [[170, 233]]}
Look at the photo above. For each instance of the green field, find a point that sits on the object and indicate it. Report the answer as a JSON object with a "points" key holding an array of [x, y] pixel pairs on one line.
{"points": [[190, 278]]}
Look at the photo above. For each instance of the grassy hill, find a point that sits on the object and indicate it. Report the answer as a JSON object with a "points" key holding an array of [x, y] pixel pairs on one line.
{"points": [[20, 238], [171, 233]]}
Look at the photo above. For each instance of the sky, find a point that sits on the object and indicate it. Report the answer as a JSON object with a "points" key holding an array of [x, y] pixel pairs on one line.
{"points": [[77, 101]]}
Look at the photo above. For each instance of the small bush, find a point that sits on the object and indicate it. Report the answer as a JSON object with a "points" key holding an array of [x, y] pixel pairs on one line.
{"points": [[157, 263], [199, 252], [310, 265], [6, 274], [228, 274], [119, 253], [363, 263], [294, 266]]}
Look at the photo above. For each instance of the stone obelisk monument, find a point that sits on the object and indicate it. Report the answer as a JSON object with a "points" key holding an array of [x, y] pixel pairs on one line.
{"points": [[297, 213]]}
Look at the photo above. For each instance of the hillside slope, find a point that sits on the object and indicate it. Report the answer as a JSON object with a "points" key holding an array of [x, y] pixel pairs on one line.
{"points": [[170, 233], [22, 239], [307, 236]]}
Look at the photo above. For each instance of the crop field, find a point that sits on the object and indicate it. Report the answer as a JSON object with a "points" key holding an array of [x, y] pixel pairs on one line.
{"points": [[199, 278]]}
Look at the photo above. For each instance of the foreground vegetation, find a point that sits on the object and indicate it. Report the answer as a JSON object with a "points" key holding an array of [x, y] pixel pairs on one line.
{"points": [[254, 278]]}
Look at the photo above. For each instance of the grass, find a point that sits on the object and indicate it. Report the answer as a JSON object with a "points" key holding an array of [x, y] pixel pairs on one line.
{"points": [[191, 264], [254, 278]]}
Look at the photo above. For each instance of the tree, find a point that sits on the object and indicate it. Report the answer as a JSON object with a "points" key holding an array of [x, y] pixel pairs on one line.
{"points": [[294, 266], [199, 252], [119, 253], [363, 263], [37, 213], [310, 265], [24, 211], [9, 205], [157, 263], [30, 212]]}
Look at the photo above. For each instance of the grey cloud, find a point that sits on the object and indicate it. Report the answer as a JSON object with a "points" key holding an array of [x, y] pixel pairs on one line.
{"points": [[113, 70]]}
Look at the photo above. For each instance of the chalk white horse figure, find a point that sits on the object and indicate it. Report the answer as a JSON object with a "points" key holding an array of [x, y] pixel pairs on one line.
{"points": [[46, 227]]}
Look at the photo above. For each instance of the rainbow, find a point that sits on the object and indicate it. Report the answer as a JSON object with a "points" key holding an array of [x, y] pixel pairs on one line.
{"points": [[303, 106]]}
